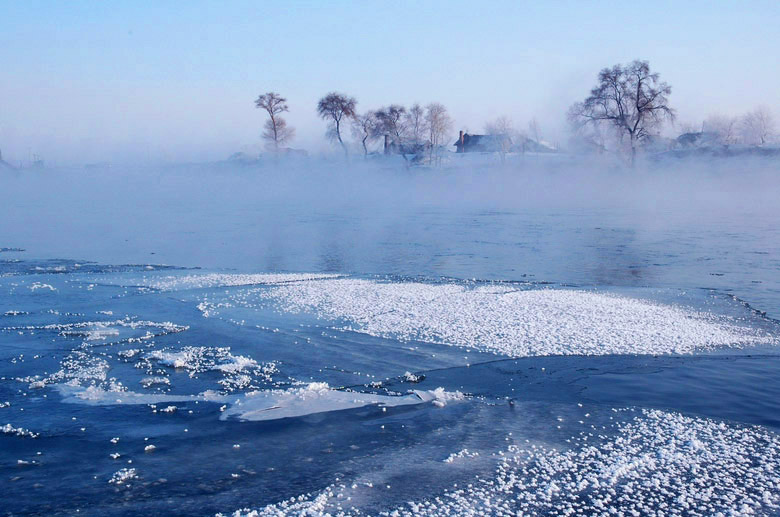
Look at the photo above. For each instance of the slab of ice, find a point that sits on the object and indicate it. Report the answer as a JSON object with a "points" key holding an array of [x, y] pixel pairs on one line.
{"points": [[513, 321], [318, 397]]}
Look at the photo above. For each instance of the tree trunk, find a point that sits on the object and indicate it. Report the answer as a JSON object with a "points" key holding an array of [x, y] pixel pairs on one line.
{"points": [[338, 135]]}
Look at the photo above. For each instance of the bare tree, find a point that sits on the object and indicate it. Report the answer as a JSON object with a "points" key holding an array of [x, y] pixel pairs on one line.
{"points": [[415, 122], [337, 107], [439, 125], [502, 131], [724, 127], [277, 132], [758, 126], [533, 129], [593, 137], [365, 126], [392, 122], [631, 98]]}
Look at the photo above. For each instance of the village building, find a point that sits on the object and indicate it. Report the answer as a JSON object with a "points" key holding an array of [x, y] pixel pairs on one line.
{"points": [[467, 143]]}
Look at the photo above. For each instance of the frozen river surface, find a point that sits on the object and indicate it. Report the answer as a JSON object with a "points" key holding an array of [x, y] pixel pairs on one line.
{"points": [[461, 357]]}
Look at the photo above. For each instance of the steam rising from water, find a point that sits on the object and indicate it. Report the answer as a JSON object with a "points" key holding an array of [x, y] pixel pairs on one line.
{"points": [[281, 215]]}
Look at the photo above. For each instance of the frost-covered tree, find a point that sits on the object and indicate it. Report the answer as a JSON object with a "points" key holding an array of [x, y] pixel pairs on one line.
{"points": [[723, 127], [502, 130], [337, 108], [631, 98], [392, 122], [439, 125], [365, 127], [533, 130], [758, 126], [415, 122], [277, 132]]}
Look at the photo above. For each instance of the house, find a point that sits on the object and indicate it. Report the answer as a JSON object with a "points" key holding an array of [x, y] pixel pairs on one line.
{"points": [[529, 145], [467, 143], [412, 151], [696, 140]]}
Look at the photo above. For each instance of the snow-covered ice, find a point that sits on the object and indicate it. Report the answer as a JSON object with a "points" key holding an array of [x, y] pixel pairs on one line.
{"points": [[654, 463], [511, 320]]}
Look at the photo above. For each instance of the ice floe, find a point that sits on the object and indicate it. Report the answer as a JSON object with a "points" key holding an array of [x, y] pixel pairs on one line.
{"points": [[512, 320]]}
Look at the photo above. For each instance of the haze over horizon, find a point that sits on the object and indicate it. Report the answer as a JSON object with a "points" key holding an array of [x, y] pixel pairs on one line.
{"points": [[150, 83]]}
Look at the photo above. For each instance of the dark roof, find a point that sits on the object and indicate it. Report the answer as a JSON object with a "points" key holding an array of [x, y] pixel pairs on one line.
{"points": [[693, 139], [483, 142]]}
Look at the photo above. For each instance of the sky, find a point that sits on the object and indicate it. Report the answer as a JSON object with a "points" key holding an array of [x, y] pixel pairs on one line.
{"points": [[175, 81]]}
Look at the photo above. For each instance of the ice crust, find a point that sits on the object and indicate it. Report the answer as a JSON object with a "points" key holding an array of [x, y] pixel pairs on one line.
{"points": [[102, 330], [657, 463], [208, 280], [511, 320]]}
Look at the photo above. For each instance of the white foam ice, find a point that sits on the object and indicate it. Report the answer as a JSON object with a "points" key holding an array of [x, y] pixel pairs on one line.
{"points": [[17, 431], [463, 453], [40, 285], [657, 463], [122, 476], [148, 382], [238, 372], [99, 396], [318, 397], [513, 321], [102, 330]]}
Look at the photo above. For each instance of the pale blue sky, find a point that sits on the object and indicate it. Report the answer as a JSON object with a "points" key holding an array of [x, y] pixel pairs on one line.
{"points": [[89, 81]]}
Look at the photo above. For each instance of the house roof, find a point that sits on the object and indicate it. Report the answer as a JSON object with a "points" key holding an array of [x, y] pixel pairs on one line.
{"points": [[484, 142]]}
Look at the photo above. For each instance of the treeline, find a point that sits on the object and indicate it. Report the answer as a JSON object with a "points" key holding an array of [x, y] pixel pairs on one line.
{"points": [[624, 112], [419, 131]]}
